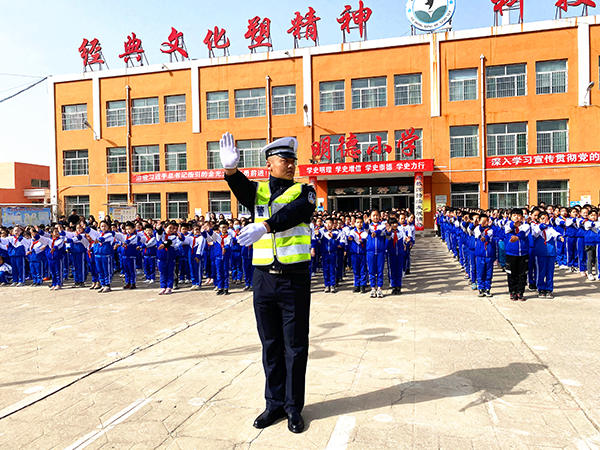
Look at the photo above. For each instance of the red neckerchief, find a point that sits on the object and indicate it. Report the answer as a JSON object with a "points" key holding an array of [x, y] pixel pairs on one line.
{"points": [[395, 237], [194, 241], [223, 241], [358, 233], [544, 234], [53, 241]]}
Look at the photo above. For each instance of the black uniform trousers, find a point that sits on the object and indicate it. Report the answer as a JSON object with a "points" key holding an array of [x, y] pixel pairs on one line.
{"points": [[516, 272], [282, 309]]}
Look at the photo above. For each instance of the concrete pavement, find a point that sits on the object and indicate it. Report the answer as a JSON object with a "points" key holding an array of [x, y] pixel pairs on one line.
{"points": [[436, 367]]}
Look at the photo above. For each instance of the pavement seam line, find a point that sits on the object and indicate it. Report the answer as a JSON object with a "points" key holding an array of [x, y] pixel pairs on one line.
{"points": [[541, 361], [135, 351]]}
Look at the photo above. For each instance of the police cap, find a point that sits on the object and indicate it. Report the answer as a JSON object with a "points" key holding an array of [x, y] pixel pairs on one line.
{"points": [[284, 148]]}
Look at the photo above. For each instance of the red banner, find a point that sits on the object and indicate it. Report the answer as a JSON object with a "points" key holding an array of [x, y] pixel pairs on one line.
{"points": [[195, 175], [421, 165], [546, 159]]}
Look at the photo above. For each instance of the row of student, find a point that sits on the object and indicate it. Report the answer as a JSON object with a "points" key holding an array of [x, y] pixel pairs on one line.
{"points": [[365, 247], [527, 245], [177, 253]]}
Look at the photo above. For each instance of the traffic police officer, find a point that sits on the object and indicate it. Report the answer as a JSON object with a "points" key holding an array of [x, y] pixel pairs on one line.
{"points": [[280, 234]]}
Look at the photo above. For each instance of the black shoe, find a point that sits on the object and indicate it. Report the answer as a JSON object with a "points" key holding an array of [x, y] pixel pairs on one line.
{"points": [[481, 293], [363, 289], [521, 298], [247, 288], [541, 294], [220, 291], [295, 422], [532, 287], [356, 289], [268, 417], [549, 294], [398, 290], [407, 272], [226, 292], [334, 290]]}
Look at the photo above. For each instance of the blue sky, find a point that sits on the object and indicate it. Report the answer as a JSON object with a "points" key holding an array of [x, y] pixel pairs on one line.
{"points": [[41, 38]]}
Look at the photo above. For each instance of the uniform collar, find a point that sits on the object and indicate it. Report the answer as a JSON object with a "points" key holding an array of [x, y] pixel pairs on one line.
{"points": [[278, 183]]}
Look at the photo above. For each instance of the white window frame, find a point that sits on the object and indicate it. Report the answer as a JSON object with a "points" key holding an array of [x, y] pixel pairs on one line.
{"points": [[144, 111], [177, 208], [370, 96], [217, 109], [74, 117], [406, 91], [175, 157], [254, 105], [119, 160], [506, 84], [461, 143], [494, 140], [75, 163], [417, 153], [335, 143], [146, 203], [461, 82], [331, 99], [549, 81], [79, 203], [117, 199], [553, 192], [284, 103], [149, 151], [551, 137], [368, 140], [213, 159], [219, 202], [459, 198], [175, 110], [250, 154], [116, 113], [522, 196]]}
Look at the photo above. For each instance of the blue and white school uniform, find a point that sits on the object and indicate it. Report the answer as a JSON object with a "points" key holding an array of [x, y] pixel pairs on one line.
{"points": [[543, 251], [396, 251], [5, 272], [17, 248], [195, 245], [357, 241], [376, 253], [148, 247], [79, 248], [485, 254], [103, 255], [55, 248], [328, 247]]}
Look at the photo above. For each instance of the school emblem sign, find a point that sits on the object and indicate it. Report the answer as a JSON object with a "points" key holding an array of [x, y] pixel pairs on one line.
{"points": [[430, 15]]}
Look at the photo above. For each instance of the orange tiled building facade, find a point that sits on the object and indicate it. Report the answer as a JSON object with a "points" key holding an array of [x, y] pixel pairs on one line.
{"points": [[495, 117]]}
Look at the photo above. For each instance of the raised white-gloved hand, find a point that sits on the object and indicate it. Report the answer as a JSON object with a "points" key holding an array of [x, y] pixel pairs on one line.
{"points": [[251, 233], [230, 155]]}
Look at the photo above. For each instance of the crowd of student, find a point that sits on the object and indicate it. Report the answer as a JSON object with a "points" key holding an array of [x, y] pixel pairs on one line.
{"points": [[200, 252], [527, 244]]}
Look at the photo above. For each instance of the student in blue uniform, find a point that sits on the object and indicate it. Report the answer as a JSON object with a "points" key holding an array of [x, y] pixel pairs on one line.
{"points": [[222, 253], [54, 254], [103, 254], [328, 247], [376, 254], [544, 254], [129, 243], [247, 262], [195, 243], [17, 247], [485, 254], [517, 254], [5, 271], [167, 242], [357, 240], [236, 254], [592, 242], [341, 252], [37, 258], [78, 247], [396, 251], [148, 249], [184, 255]]}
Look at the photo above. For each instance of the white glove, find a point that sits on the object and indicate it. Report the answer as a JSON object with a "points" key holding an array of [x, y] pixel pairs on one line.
{"points": [[230, 155], [251, 233]]}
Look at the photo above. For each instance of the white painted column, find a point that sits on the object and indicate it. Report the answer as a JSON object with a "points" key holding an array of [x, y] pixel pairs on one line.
{"points": [[52, 147], [96, 107], [434, 74], [307, 94], [583, 62], [195, 103]]}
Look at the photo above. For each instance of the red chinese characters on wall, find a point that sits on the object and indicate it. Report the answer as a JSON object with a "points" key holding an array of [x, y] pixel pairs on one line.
{"points": [[305, 26], [499, 5], [549, 159], [406, 143], [564, 4], [133, 48], [359, 17], [259, 33], [196, 175], [91, 52], [379, 147], [216, 39], [175, 43]]}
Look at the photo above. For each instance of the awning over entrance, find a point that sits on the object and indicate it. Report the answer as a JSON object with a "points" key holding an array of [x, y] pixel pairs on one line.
{"points": [[375, 169]]}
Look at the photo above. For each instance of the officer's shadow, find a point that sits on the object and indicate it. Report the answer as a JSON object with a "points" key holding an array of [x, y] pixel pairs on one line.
{"points": [[491, 383]]}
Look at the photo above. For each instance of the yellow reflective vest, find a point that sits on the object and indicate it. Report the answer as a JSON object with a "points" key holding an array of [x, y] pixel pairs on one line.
{"points": [[290, 246]]}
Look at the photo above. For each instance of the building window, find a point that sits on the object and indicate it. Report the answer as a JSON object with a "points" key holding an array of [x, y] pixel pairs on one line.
{"points": [[369, 93], [366, 140], [333, 141], [116, 113], [553, 192], [146, 159], [464, 195], [40, 183], [174, 108], [176, 157], [551, 77], [117, 199], [213, 158], [508, 195], [331, 96], [552, 136], [407, 89], [116, 160], [75, 162], [73, 117], [148, 205], [506, 81], [417, 151], [463, 85], [284, 100], [177, 205], [79, 203], [250, 154], [243, 211], [507, 139], [464, 142], [217, 105], [144, 111], [219, 202], [250, 103]]}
